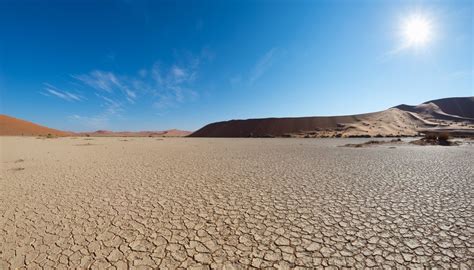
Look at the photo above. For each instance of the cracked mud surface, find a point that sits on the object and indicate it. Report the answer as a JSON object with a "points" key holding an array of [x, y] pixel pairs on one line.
{"points": [[233, 204]]}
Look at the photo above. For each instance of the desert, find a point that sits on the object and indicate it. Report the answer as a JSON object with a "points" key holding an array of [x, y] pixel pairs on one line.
{"points": [[180, 200], [200, 203], [235, 135]]}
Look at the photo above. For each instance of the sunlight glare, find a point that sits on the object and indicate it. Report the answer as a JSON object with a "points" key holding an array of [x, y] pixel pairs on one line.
{"points": [[417, 30]]}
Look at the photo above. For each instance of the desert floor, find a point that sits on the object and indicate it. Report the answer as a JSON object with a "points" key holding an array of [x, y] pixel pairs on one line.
{"points": [[233, 203]]}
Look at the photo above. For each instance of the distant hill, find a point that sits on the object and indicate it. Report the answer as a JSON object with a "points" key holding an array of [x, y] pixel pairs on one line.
{"points": [[402, 120], [10, 126], [164, 133], [458, 108], [397, 121]]}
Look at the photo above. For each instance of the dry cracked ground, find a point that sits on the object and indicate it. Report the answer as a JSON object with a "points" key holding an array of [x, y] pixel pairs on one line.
{"points": [[143, 203]]}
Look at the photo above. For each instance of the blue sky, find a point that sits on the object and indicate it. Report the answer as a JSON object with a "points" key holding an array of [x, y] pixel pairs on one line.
{"points": [[151, 65]]}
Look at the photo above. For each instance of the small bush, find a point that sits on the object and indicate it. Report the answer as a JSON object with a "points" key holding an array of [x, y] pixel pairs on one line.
{"points": [[435, 138], [443, 136], [431, 136]]}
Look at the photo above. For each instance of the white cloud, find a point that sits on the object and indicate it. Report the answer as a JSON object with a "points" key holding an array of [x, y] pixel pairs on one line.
{"points": [[167, 86], [100, 80], [165, 102], [262, 65], [51, 90], [143, 73], [156, 74], [178, 72], [172, 85], [111, 108], [91, 122], [108, 82], [130, 93]]}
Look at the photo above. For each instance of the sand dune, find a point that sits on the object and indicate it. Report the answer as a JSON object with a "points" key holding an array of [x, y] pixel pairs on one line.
{"points": [[456, 109], [10, 126], [402, 120], [164, 133], [273, 126], [460, 106]]}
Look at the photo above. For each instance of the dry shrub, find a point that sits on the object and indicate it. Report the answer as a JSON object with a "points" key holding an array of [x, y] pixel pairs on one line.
{"points": [[51, 136], [434, 138], [443, 136], [430, 136]]}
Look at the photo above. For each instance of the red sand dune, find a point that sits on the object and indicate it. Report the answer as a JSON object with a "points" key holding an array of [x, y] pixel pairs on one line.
{"points": [[273, 126], [400, 120], [456, 113], [10, 126], [164, 133]]}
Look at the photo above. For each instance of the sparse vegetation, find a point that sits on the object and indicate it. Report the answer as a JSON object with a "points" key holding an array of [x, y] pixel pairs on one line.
{"points": [[435, 138], [85, 144], [372, 142], [359, 136], [443, 136], [47, 136]]}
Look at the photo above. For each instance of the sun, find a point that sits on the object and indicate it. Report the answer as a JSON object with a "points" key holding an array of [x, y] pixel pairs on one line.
{"points": [[417, 30]]}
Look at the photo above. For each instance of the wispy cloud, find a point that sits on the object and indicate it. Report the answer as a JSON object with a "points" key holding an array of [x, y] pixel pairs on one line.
{"points": [[91, 122], [165, 86], [50, 90], [156, 80], [262, 65], [165, 102], [107, 81], [173, 85], [178, 72], [110, 108], [99, 80]]}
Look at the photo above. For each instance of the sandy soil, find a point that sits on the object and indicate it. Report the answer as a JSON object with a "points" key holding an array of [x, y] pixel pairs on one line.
{"points": [[233, 203]]}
